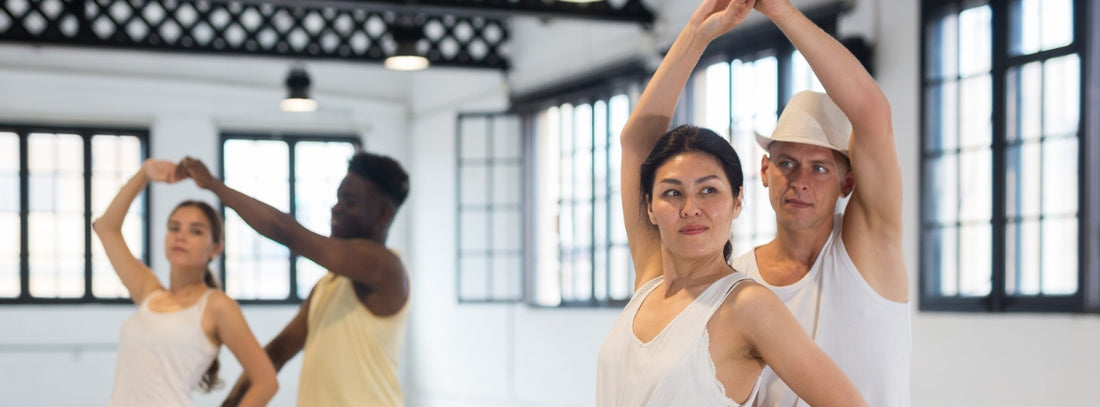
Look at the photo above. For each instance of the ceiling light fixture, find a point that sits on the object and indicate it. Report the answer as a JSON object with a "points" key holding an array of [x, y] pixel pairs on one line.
{"points": [[406, 33], [297, 86]]}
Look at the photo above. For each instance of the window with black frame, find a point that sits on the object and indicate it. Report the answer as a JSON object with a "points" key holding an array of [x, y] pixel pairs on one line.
{"points": [[296, 174], [1002, 189], [491, 209], [53, 182], [583, 258]]}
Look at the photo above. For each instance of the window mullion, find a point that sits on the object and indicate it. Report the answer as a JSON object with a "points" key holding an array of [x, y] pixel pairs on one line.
{"points": [[86, 138], [292, 176], [998, 70], [24, 216]]}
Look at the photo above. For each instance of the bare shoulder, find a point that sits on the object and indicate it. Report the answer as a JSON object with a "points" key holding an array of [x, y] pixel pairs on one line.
{"points": [[748, 303], [220, 304]]}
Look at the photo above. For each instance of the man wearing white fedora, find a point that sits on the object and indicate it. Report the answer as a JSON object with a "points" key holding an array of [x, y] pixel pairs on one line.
{"points": [[843, 276]]}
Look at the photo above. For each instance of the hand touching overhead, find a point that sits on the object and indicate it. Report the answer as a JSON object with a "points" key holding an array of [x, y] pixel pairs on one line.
{"points": [[162, 171], [716, 17], [197, 171]]}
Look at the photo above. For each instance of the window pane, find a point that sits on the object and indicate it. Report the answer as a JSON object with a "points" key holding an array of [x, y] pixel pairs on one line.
{"points": [[261, 169], [974, 41], [507, 273], [621, 273], [975, 260], [308, 274], [976, 192], [714, 87], [1060, 172], [56, 222], [507, 234], [941, 117], [507, 184], [941, 267], [940, 193], [802, 76], [1060, 256], [1022, 180], [115, 159], [10, 244], [976, 111], [1022, 258], [1025, 102], [475, 183], [474, 278], [507, 137], [1061, 95], [474, 232], [1040, 25], [941, 56], [319, 167]]}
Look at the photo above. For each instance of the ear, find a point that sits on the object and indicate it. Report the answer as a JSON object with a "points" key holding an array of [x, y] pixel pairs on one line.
{"points": [[649, 210], [738, 202], [217, 250], [849, 184], [385, 215], [764, 164]]}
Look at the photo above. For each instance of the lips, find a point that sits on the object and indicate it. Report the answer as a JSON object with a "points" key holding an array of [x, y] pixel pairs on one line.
{"points": [[693, 229], [798, 204]]}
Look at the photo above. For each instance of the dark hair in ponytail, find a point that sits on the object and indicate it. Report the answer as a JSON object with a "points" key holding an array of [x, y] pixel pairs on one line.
{"points": [[210, 380]]}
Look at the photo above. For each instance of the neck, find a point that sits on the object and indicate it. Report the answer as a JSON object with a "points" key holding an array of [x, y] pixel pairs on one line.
{"points": [[182, 280], [797, 247], [681, 273]]}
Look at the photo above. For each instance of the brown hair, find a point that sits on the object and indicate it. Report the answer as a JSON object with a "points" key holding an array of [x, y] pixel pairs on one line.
{"points": [[210, 380]]}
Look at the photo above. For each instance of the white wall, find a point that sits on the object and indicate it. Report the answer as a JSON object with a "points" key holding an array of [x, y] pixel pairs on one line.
{"points": [[469, 355]]}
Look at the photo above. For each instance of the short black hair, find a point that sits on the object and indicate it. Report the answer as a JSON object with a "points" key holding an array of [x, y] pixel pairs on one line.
{"points": [[386, 174]]}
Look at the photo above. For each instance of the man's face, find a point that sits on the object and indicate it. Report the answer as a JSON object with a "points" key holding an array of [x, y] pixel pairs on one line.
{"points": [[804, 182], [358, 208]]}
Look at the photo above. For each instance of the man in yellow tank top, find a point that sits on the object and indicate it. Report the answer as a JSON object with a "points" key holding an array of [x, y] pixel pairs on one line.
{"points": [[352, 326]]}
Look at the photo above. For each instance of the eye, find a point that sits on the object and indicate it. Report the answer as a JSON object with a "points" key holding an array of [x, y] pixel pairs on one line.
{"points": [[786, 164], [173, 228], [820, 169], [196, 232], [671, 193], [709, 190]]}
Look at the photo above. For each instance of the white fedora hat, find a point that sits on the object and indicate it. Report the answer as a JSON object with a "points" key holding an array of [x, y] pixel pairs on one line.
{"points": [[811, 118]]}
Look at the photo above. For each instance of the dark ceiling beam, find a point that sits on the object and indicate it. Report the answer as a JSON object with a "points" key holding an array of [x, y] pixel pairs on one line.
{"points": [[631, 11]]}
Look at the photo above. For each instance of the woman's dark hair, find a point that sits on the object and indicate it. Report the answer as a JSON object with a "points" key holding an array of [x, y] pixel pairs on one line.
{"points": [[386, 174], [686, 139], [210, 380]]}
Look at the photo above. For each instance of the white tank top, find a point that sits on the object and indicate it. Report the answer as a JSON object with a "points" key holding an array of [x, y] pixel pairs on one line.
{"points": [[161, 356], [868, 336], [672, 369]]}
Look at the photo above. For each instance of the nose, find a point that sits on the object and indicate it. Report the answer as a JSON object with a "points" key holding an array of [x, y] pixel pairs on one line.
{"points": [[799, 178], [691, 207]]}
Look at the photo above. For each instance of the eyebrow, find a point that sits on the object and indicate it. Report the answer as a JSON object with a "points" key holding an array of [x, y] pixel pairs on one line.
{"points": [[697, 181], [789, 158], [192, 224]]}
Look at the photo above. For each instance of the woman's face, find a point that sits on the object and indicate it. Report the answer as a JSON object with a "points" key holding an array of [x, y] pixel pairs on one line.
{"points": [[693, 204], [189, 241]]}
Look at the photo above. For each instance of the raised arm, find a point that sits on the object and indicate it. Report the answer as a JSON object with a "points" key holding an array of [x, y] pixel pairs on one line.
{"points": [[653, 115], [781, 342], [873, 216], [135, 275], [233, 331], [365, 261]]}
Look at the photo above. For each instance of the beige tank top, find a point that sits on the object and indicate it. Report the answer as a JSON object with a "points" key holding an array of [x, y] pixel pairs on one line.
{"points": [[351, 355]]}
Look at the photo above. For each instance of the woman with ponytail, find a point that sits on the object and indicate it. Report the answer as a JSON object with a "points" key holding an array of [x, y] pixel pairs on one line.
{"points": [[170, 346]]}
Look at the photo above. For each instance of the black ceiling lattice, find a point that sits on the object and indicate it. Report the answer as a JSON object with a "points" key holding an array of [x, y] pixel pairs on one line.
{"points": [[244, 27]]}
